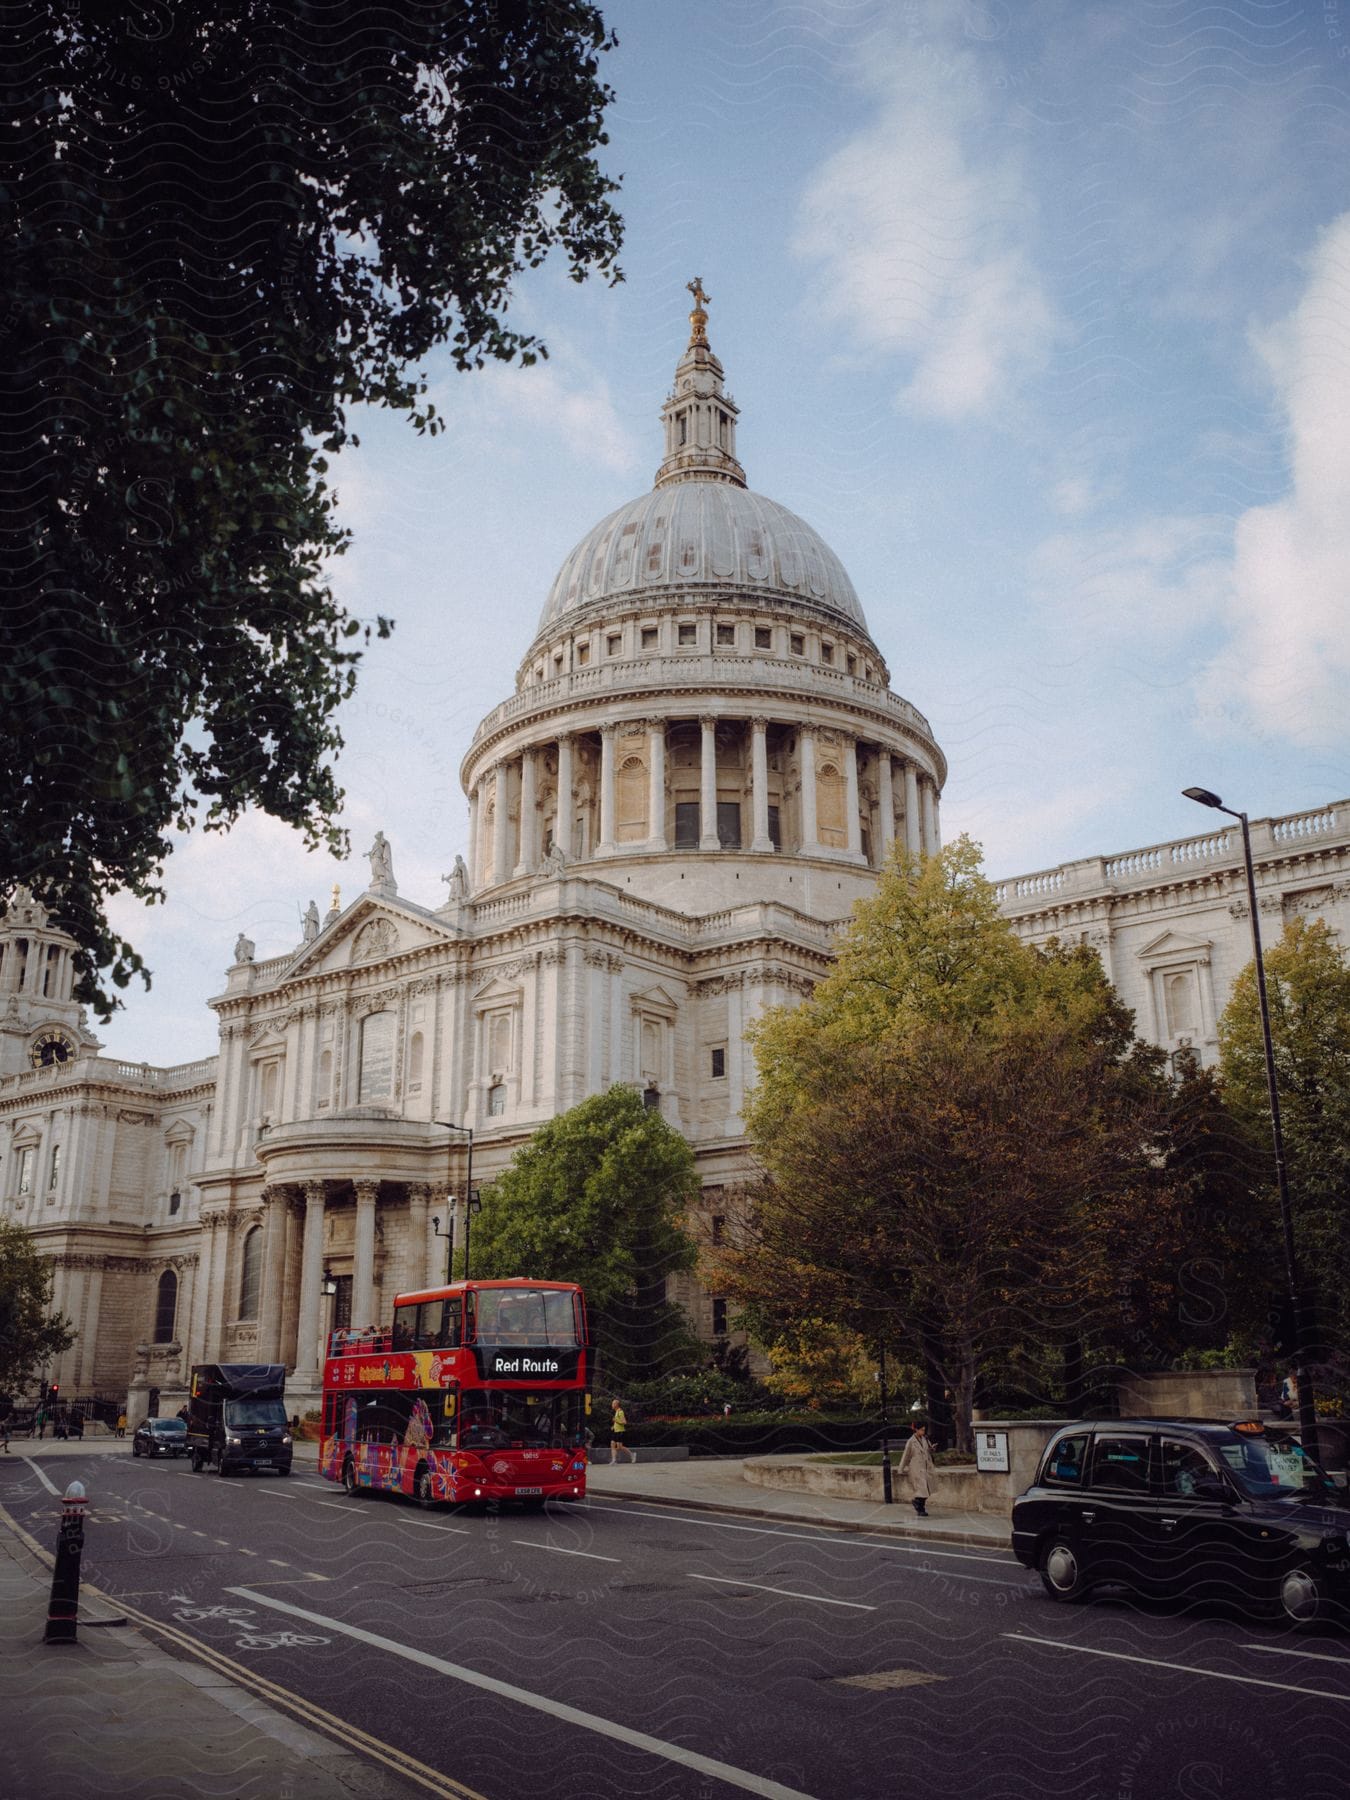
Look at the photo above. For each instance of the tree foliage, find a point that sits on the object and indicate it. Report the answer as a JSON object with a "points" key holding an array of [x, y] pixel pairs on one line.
{"points": [[222, 226], [29, 1335], [1308, 989], [961, 1138], [599, 1196]]}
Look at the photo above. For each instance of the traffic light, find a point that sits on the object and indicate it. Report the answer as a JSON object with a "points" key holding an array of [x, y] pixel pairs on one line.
{"points": [[54, 1390]]}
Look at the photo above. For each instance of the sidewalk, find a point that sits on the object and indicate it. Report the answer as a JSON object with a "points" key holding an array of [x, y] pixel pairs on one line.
{"points": [[116, 1716], [717, 1484]]}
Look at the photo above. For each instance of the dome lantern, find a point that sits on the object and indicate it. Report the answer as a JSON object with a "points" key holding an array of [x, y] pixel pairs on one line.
{"points": [[699, 416]]}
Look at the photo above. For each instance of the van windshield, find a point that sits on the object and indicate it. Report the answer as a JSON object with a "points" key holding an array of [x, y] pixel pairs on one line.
{"points": [[254, 1413]]}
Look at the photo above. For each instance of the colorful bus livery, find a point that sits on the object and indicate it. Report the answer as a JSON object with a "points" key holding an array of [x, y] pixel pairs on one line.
{"points": [[477, 1393]]}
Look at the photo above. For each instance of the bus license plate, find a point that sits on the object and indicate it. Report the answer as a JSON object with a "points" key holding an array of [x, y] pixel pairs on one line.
{"points": [[529, 1490]]}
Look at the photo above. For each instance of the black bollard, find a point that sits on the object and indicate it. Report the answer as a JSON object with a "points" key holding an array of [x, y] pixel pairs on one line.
{"points": [[64, 1607]]}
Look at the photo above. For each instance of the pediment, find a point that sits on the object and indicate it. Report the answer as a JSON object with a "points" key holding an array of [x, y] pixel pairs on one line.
{"points": [[497, 989], [369, 933], [655, 999], [1175, 946]]}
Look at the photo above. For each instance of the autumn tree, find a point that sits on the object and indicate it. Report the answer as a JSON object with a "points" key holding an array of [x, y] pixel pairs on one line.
{"points": [[600, 1196], [30, 1334], [1308, 989], [223, 225], [958, 1134]]}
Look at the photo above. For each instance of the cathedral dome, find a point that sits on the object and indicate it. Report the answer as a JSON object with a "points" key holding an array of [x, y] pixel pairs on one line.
{"points": [[695, 533]]}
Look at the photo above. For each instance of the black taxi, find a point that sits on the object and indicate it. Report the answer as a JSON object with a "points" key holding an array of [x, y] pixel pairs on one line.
{"points": [[1186, 1507]]}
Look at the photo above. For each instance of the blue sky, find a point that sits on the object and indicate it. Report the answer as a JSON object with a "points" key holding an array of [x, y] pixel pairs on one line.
{"points": [[1039, 313]]}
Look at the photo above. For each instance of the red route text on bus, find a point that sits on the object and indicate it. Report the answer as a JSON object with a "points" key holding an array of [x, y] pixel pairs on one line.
{"points": [[479, 1392]]}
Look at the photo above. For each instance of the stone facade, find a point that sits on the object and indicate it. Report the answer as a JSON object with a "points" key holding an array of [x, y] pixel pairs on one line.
{"points": [[701, 769]]}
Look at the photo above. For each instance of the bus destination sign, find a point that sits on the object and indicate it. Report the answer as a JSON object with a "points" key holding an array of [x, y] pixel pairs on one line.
{"points": [[521, 1362]]}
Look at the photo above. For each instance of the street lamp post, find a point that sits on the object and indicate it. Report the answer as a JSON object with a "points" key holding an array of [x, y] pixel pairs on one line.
{"points": [[471, 1204], [1307, 1414]]}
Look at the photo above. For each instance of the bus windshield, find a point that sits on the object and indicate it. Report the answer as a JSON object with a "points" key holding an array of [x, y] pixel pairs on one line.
{"points": [[507, 1418], [546, 1316]]}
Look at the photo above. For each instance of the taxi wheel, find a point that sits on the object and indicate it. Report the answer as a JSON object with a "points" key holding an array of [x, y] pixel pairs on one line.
{"points": [[422, 1488], [1301, 1597], [349, 1477], [1061, 1576]]}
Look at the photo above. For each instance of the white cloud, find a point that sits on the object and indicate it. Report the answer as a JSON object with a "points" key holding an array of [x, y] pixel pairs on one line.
{"points": [[551, 400], [1146, 586], [918, 230], [1285, 669]]}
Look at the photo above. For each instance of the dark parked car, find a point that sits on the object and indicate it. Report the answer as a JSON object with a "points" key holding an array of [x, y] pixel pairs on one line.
{"points": [[160, 1437], [1235, 1512]]}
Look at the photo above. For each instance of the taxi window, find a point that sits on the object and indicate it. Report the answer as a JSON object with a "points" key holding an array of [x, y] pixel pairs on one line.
{"points": [[1182, 1465], [1064, 1466], [1121, 1462]]}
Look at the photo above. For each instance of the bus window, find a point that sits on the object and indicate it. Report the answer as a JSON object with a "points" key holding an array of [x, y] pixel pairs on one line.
{"points": [[543, 1316], [405, 1327], [437, 1324]]}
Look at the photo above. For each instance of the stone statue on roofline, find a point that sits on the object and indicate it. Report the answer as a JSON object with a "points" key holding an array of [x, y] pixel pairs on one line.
{"points": [[458, 880], [311, 926], [381, 866]]}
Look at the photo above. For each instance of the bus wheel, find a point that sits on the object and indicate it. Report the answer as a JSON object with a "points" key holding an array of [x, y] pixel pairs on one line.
{"points": [[349, 1477], [422, 1488]]}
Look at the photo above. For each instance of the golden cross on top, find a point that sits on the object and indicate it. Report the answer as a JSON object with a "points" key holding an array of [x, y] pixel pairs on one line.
{"points": [[698, 319]]}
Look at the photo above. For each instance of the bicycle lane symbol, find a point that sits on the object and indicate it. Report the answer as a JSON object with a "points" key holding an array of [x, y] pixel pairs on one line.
{"points": [[278, 1640]]}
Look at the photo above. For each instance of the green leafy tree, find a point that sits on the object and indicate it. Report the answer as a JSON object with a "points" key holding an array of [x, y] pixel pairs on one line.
{"points": [[30, 1335], [223, 224], [599, 1196], [958, 1133], [1308, 987]]}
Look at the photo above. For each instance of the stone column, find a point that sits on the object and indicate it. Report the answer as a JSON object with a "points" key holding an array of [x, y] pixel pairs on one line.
{"points": [[851, 819], [759, 786], [419, 1205], [707, 795], [529, 846], [886, 801], [501, 826], [363, 1256], [308, 1352], [810, 842], [937, 822], [475, 848], [928, 797], [656, 784], [273, 1274], [562, 824], [606, 789], [913, 840]]}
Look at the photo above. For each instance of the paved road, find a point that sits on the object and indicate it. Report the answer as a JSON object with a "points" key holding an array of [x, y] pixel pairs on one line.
{"points": [[623, 1648]]}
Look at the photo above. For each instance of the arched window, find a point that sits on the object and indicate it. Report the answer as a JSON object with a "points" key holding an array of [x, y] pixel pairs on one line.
{"points": [[166, 1307], [1180, 992], [377, 1058], [250, 1274]]}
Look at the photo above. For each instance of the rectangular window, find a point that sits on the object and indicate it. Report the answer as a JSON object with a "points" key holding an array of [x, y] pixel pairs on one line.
{"points": [[775, 830], [853, 665], [686, 634], [719, 1063], [827, 653], [1183, 1467], [54, 1175], [1065, 1467], [763, 638], [614, 643], [583, 655], [26, 1158], [342, 1303], [175, 1203], [719, 1228], [686, 825], [797, 644], [726, 634], [650, 636], [1122, 1463], [719, 1320], [729, 824]]}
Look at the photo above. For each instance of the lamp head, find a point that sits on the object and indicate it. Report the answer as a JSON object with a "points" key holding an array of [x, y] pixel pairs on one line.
{"points": [[1203, 797], [435, 1223]]}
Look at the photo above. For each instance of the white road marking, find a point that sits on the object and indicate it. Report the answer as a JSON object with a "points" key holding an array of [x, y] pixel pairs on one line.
{"points": [[557, 1550], [1341, 1662], [1153, 1662], [41, 1477], [276, 1494], [430, 1525], [787, 1593], [853, 1540], [569, 1715]]}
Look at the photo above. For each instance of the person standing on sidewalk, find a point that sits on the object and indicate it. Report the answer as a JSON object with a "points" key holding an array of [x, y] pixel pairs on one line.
{"points": [[121, 1425], [916, 1467], [617, 1447]]}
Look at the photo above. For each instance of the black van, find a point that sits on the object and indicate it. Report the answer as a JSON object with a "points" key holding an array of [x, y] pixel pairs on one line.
{"points": [[237, 1417]]}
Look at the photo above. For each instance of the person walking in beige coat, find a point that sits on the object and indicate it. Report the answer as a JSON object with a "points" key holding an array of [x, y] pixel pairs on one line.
{"points": [[916, 1467]]}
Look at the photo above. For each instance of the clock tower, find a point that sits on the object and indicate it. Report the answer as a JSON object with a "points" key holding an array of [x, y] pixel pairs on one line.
{"points": [[41, 1026]]}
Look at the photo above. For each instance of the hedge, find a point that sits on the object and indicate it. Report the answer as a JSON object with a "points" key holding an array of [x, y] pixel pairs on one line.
{"points": [[766, 1436]]}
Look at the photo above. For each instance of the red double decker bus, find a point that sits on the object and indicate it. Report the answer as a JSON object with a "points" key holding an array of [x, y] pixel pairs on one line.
{"points": [[479, 1392]]}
